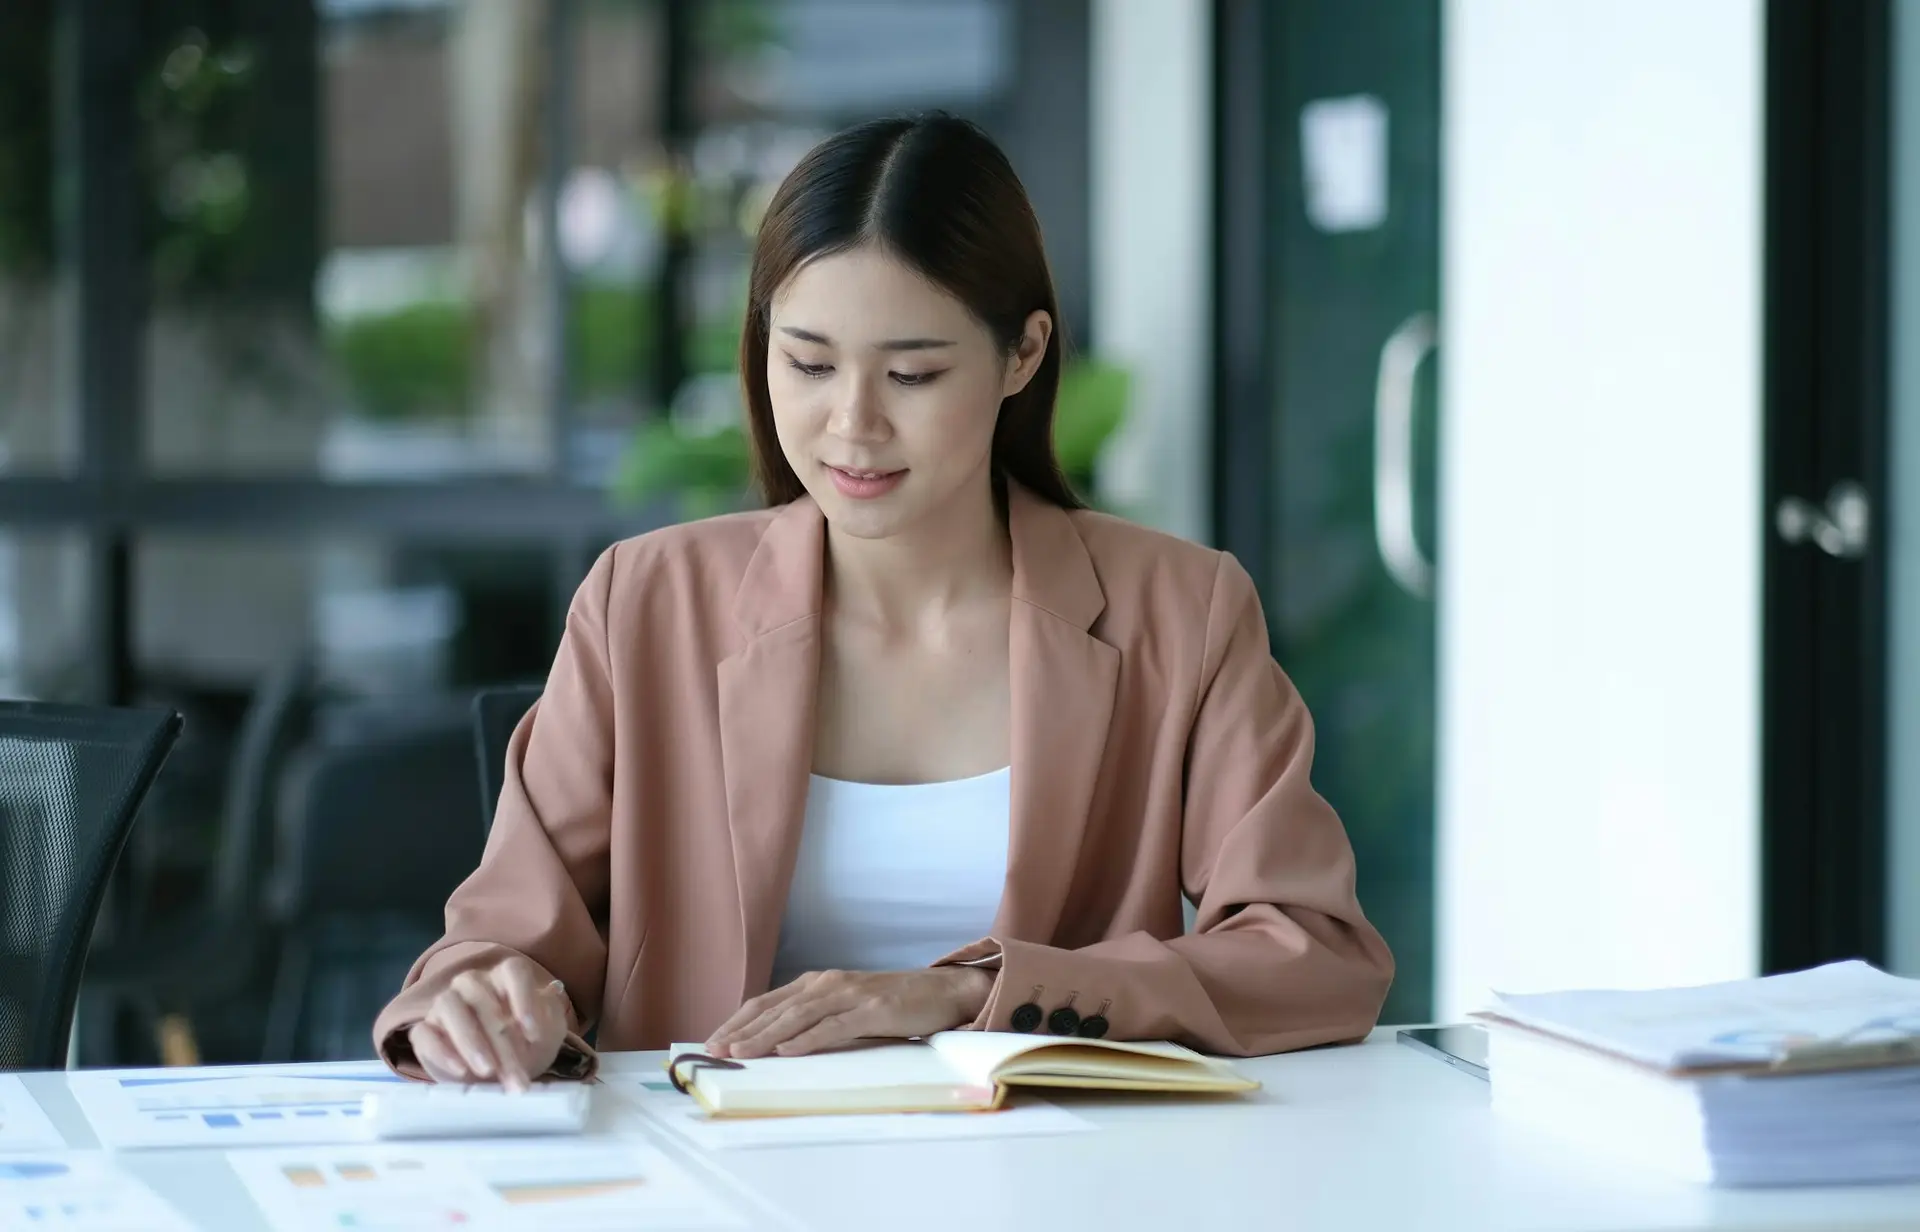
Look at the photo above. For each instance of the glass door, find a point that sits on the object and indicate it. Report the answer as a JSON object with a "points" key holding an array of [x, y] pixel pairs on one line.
{"points": [[1838, 721], [1329, 286]]}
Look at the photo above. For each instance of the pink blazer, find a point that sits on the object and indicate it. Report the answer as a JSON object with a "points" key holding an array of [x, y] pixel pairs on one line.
{"points": [[653, 799]]}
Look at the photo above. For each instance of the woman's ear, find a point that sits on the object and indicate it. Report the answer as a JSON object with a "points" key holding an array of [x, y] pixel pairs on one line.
{"points": [[1028, 352]]}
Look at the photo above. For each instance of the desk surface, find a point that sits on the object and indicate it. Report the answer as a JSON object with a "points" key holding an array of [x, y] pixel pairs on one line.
{"points": [[1376, 1136]]}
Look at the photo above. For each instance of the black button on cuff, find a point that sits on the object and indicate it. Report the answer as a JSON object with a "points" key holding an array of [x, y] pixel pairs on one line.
{"points": [[1025, 1017], [1093, 1027], [1063, 1021]]}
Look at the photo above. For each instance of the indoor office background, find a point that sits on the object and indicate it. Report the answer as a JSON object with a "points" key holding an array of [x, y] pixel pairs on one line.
{"points": [[1541, 361], [336, 338]]}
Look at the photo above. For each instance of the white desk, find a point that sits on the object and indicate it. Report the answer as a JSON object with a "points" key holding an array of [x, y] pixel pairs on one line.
{"points": [[1371, 1137]]}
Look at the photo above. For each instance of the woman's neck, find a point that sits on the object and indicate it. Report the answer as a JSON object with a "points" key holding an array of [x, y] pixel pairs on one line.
{"points": [[956, 557]]}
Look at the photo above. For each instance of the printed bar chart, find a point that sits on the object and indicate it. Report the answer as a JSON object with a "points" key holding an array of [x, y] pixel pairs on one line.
{"points": [[220, 1107], [79, 1191], [580, 1186]]}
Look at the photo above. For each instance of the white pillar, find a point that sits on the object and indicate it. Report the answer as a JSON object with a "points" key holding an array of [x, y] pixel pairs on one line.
{"points": [[1600, 494], [1152, 251], [1903, 517]]}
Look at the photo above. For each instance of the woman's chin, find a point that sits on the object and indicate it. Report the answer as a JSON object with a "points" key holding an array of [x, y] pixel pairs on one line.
{"points": [[864, 519]]}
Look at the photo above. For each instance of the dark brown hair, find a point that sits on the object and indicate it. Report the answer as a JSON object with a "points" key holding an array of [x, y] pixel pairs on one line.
{"points": [[936, 193]]}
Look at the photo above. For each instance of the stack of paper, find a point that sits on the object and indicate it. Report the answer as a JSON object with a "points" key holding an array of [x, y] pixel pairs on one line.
{"points": [[1807, 1078]]}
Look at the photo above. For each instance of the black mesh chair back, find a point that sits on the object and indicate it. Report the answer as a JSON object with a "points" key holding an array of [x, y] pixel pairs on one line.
{"points": [[496, 712], [72, 779], [204, 962]]}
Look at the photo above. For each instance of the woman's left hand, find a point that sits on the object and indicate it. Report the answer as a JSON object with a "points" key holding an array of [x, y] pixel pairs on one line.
{"points": [[827, 1008]]}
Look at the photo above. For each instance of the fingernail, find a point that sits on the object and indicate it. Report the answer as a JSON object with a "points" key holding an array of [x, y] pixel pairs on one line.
{"points": [[529, 1023], [482, 1066]]}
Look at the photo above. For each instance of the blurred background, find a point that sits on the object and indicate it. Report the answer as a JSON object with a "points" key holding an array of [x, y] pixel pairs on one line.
{"points": [[1540, 361]]}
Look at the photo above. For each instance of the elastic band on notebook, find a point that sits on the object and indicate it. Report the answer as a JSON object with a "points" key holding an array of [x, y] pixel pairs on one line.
{"points": [[698, 1060]]}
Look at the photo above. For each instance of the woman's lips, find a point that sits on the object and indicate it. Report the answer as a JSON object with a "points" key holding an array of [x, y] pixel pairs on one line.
{"points": [[862, 484]]}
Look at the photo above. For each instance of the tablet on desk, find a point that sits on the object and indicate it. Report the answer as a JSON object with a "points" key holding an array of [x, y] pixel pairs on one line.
{"points": [[1463, 1047]]}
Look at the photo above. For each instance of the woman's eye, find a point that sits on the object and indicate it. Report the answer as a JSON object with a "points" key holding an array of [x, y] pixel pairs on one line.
{"points": [[813, 370], [911, 379]]}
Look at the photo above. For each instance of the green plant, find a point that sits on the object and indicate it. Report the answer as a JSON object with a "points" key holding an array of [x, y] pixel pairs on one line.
{"points": [[706, 472], [610, 338], [415, 362], [709, 471], [1091, 407], [410, 363]]}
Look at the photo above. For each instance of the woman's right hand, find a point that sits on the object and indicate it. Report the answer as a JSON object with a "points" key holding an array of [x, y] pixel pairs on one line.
{"points": [[502, 1024]]}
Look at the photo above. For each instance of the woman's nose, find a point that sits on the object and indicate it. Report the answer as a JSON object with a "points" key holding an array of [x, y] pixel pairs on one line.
{"points": [[859, 415]]}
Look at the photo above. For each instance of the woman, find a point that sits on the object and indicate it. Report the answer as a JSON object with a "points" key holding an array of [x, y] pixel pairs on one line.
{"points": [[924, 744]]}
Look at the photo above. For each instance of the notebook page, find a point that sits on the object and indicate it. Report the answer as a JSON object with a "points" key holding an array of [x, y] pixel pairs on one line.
{"points": [[976, 1054], [1743, 1021], [861, 1068]]}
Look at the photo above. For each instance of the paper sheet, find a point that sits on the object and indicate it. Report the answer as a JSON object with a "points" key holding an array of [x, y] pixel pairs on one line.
{"points": [[222, 1106], [1740, 1021], [654, 1095], [577, 1185], [23, 1126], [79, 1191]]}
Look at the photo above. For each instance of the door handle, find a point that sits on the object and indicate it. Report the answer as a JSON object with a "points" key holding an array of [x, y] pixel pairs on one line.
{"points": [[1842, 528], [1393, 529]]}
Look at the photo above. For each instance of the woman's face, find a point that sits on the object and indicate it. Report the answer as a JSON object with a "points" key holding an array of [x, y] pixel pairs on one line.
{"points": [[885, 391]]}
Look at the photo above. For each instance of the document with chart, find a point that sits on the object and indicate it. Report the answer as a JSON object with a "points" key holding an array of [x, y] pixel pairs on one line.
{"points": [[582, 1187], [222, 1106], [23, 1127], [79, 1191]]}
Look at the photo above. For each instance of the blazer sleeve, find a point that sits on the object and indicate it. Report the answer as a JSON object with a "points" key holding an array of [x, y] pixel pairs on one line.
{"points": [[541, 887], [1281, 956]]}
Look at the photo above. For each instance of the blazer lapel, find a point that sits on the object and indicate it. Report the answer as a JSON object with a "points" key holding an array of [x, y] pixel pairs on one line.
{"points": [[767, 697], [1063, 682]]}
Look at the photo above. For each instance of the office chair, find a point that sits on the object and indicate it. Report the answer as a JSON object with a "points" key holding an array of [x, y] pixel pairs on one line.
{"points": [[72, 779], [209, 958], [496, 712], [378, 820]]}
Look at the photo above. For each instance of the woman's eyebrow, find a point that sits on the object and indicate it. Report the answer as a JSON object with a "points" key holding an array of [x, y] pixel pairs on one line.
{"points": [[891, 344]]}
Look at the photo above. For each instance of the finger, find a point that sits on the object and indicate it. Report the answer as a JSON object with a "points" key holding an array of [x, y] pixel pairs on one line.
{"points": [[754, 1018], [555, 1008], [801, 1015], [527, 1059], [523, 988], [830, 1032], [457, 1017], [753, 1009], [750, 1014], [438, 1057], [503, 1035]]}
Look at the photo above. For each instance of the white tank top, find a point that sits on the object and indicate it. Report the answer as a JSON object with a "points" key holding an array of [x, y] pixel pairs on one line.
{"points": [[892, 877]]}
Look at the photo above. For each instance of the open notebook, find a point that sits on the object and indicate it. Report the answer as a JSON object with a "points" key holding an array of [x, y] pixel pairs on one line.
{"points": [[952, 1071]]}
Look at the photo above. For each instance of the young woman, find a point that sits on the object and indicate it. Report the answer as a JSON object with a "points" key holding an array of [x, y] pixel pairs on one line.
{"points": [[924, 744]]}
